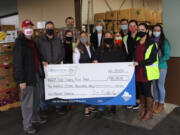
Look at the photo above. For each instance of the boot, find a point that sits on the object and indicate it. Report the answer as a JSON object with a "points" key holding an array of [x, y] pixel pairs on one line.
{"points": [[160, 108], [143, 110], [155, 107], [148, 115]]}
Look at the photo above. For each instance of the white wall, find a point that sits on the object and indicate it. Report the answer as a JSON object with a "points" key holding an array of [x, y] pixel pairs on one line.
{"points": [[12, 20], [171, 22], [46, 10]]}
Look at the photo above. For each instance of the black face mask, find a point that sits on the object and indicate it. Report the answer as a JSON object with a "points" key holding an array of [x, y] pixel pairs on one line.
{"points": [[69, 39], [141, 34], [108, 41], [50, 32]]}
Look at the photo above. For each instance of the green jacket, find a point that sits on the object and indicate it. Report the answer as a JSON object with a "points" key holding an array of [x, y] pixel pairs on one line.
{"points": [[163, 59]]}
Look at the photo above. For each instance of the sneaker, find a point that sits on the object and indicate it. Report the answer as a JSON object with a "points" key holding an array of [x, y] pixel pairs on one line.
{"points": [[137, 106], [92, 109], [39, 122], [129, 107], [87, 114], [30, 130]]}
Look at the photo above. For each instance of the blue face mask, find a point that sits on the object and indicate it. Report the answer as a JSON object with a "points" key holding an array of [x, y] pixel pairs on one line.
{"points": [[99, 28], [84, 40], [124, 27], [156, 34]]}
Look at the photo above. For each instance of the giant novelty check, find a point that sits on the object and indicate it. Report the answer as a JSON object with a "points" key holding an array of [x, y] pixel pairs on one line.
{"points": [[94, 84]]}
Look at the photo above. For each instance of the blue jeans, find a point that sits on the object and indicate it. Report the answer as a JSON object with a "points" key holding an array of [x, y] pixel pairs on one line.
{"points": [[159, 89], [45, 104]]}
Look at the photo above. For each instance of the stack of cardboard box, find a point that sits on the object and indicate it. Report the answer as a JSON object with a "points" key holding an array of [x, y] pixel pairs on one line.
{"points": [[113, 18], [9, 94]]}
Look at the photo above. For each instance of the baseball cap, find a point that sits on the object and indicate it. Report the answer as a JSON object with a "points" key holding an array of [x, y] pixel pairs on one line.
{"points": [[26, 23]]}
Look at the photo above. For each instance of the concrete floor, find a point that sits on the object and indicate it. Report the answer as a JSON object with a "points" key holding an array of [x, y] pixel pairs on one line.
{"points": [[125, 122], [129, 117]]}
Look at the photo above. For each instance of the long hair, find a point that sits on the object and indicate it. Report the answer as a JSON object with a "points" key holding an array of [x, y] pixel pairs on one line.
{"points": [[103, 44], [79, 45], [147, 38], [161, 40]]}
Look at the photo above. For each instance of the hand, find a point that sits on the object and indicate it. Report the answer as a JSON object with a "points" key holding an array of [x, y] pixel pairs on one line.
{"points": [[22, 86], [45, 63], [135, 64], [95, 61]]}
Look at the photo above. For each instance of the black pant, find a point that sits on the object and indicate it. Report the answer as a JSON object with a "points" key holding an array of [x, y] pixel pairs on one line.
{"points": [[144, 88]]}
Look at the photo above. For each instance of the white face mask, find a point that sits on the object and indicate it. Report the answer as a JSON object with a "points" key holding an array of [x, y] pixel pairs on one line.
{"points": [[156, 34], [28, 32]]}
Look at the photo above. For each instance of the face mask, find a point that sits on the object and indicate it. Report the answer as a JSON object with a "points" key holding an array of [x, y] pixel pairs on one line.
{"points": [[28, 32], [50, 32], [141, 34], [124, 27], [156, 34], [108, 41], [99, 28], [68, 38], [70, 26], [132, 29], [84, 40]]}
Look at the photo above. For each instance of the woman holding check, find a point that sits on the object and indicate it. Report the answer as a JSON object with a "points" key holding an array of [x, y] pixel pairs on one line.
{"points": [[83, 53], [108, 53]]}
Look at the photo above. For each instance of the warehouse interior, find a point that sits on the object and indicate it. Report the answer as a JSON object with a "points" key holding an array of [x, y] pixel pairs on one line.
{"points": [[86, 12]]}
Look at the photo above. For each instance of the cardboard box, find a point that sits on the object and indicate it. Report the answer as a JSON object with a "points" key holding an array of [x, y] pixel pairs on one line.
{"points": [[6, 47], [138, 14], [6, 59], [159, 17], [111, 15], [153, 18], [6, 70], [116, 27], [125, 13], [99, 16], [9, 97], [112, 26], [7, 27], [7, 82], [57, 31]]}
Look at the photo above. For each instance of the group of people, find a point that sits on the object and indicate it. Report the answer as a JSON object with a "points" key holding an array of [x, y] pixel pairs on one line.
{"points": [[133, 43]]}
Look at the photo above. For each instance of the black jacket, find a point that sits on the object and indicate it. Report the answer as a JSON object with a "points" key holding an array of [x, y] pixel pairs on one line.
{"points": [[131, 46], [24, 63], [94, 39], [110, 55], [122, 33], [68, 58], [84, 57]]}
